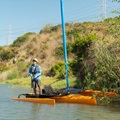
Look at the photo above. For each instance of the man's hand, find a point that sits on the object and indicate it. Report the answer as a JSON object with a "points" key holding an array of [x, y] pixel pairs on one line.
{"points": [[31, 75]]}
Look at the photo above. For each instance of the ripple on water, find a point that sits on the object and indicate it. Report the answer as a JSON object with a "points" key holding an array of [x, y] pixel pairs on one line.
{"points": [[16, 110]]}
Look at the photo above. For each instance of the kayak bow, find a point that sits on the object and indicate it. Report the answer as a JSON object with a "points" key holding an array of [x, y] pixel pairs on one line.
{"points": [[36, 100]]}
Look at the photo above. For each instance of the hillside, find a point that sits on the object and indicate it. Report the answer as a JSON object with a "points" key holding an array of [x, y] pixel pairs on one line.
{"points": [[86, 43]]}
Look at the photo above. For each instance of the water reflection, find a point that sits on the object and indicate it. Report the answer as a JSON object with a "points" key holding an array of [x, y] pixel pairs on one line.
{"points": [[34, 111]]}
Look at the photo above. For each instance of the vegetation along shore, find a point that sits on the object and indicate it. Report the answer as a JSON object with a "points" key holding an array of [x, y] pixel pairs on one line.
{"points": [[93, 55]]}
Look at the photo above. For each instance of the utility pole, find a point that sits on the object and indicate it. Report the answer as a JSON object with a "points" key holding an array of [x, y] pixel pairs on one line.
{"points": [[9, 35], [64, 42], [103, 11]]}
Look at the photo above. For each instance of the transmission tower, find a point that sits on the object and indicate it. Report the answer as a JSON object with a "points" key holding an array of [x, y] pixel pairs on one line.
{"points": [[103, 9], [9, 35]]}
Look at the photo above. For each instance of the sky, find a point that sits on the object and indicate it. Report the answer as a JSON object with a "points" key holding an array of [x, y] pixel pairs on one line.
{"points": [[21, 16]]}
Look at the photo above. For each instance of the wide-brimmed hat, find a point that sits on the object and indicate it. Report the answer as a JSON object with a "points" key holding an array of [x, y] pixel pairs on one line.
{"points": [[35, 59]]}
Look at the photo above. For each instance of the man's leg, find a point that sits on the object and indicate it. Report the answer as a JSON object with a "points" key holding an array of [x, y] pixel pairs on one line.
{"points": [[39, 86], [34, 89], [34, 86]]}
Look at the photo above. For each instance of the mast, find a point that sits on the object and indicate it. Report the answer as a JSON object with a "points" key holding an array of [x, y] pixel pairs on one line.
{"points": [[64, 42]]}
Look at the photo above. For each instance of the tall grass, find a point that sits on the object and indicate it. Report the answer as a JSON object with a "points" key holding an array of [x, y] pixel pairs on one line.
{"points": [[105, 72], [108, 63], [55, 83]]}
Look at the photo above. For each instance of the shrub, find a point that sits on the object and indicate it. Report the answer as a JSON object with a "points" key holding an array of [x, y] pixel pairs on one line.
{"points": [[14, 74], [58, 70], [4, 68], [55, 28], [46, 29], [20, 40], [6, 54], [1, 47], [59, 52], [107, 64], [79, 47]]}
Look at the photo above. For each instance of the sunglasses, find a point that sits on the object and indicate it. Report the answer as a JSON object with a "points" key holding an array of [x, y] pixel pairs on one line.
{"points": [[34, 61]]}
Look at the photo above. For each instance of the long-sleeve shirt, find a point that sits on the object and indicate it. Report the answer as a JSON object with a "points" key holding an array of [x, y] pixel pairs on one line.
{"points": [[36, 71]]}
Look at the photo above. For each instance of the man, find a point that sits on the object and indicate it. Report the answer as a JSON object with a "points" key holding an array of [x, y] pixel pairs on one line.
{"points": [[35, 73]]}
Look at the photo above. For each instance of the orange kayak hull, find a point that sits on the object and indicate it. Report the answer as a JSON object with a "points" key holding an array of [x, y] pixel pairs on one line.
{"points": [[76, 98], [71, 98]]}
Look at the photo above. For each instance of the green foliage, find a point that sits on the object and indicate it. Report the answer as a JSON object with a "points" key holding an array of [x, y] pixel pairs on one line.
{"points": [[59, 52], [107, 64], [104, 100], [4, 68], [75, 31], [1, 47], [46, 29], [49, 28], [55, 28], [104, 72], [114, 28], [6, 55], [79, 47], [34, 39], [21, 40], [58, 70], [14, 74], [22, 68]]}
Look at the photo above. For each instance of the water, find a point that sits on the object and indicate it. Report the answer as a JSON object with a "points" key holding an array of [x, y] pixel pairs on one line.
{"points": [[16, 110]]}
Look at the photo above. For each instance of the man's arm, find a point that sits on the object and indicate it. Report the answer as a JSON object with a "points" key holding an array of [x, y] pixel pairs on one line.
{"points": [[30, 72]]}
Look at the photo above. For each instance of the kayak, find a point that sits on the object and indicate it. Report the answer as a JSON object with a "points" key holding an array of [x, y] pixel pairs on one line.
{"points": [[52, 99], [98, 93]]}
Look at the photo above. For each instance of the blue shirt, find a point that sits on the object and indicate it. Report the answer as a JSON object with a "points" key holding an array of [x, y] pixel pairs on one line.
{"points": [[36, 71]]}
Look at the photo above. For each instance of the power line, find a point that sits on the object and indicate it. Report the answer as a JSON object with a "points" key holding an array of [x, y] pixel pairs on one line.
{"points": [[9, 35], [71, 16]]}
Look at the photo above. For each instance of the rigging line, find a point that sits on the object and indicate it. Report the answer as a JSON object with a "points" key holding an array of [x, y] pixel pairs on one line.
{"points": [[75, 10], [35, 28], [55, 17], [82, 7], [71, 11], [79, 19], [66, 18], [38, 27], [19, 30], [91, 14], [77, 15], [92, 20], [80, 12], [32, 28]]}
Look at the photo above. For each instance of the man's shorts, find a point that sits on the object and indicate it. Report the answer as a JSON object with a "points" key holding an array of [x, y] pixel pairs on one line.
{"points": [[35, 83]]}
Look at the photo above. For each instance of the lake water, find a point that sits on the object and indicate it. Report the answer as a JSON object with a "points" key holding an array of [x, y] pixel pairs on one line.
{"points": [[16, 110]]}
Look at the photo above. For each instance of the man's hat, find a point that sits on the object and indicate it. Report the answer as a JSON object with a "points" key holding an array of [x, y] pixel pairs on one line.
{"points": [[35, 59]]}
